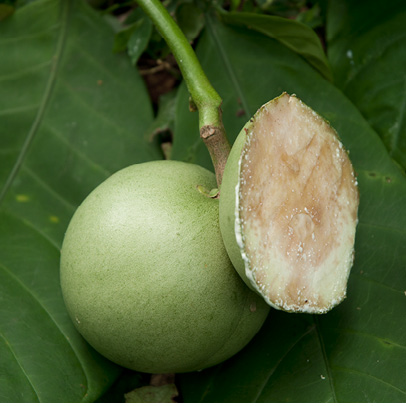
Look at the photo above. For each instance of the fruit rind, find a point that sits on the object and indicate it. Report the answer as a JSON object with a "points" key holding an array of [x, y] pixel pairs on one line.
{"points": [[322, 290], [145, 275]]}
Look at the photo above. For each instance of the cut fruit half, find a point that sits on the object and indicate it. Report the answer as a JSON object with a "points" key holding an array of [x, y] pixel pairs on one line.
{"points": [[288, 208]]}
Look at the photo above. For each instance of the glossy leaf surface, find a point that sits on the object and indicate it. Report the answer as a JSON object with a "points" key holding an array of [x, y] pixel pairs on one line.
{"points": [[72, 112], [356, 352], [368, 52], [294, 35]]}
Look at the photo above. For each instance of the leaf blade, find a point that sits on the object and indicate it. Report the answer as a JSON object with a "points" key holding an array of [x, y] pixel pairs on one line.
{"points": [[367, 53], [297, 36], [65, 130], [301, 369]]}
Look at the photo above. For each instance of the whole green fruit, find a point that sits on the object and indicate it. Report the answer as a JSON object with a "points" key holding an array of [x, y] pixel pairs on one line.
{"points": [[146, 278]]}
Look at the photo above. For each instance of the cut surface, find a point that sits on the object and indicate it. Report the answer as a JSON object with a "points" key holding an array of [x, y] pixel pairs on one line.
{"points": [[296, 208]]}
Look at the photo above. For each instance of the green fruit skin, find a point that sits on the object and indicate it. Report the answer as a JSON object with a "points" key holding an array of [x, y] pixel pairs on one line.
{"points": [[227, 205], [145, 275]]}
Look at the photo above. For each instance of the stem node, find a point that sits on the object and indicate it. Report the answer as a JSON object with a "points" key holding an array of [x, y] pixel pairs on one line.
{"points": [[218, 147]]}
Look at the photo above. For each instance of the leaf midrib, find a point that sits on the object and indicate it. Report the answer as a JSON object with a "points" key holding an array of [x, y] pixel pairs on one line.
{"points": [[276, 366], [246, 108], [64, 14], [325, 358], [48, 90]]}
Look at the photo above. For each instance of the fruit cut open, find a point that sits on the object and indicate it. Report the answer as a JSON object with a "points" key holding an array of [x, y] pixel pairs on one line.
{"points": [[294, 203]]}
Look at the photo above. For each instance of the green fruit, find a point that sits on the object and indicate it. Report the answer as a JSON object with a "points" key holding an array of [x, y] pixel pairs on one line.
{"points": [[288, 208], [146, 278]]}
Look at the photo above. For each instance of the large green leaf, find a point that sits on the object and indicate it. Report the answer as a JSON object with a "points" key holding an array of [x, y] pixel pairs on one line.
{"points": [[367, 49], [293, 34], [71, 113], [356, 352]]}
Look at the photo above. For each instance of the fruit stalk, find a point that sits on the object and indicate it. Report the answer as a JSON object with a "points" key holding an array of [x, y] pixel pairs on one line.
{"points": [[204, 96]]}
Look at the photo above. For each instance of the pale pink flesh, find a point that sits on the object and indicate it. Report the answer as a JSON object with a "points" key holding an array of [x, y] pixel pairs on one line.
{"points": [[297, 208]]}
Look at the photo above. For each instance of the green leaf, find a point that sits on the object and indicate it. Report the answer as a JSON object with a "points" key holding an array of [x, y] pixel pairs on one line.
{"points": [[368, 53], [283, 8], [127, 381], [139, 39], [297, 36], [190, 20], [164, 122], [312, 17], [356, 352], [134, 38], [122, 37], [152, 394], [72, 113]]}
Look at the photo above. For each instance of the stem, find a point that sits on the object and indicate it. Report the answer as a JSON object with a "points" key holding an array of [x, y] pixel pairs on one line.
{"points": [[204, 96]]}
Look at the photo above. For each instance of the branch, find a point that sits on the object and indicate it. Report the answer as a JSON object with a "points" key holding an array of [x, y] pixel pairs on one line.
{"points": [[204, 96]]}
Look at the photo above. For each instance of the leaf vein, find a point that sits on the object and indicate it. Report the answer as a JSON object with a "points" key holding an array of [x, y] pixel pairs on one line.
{"points": [[8, 345], [272, 371], [325, 358], [37, 300], [80, 154], [373, 57], [44, 102], [363, 277], [37, 34], [377, 338], [100, 116], [48, 188], [356, 371], [401, 119], [19, 109], [21, 73], [229, 68], [31, 226], [389, 227]]}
